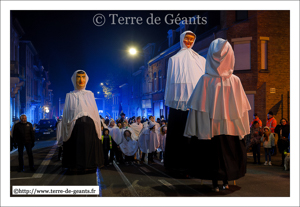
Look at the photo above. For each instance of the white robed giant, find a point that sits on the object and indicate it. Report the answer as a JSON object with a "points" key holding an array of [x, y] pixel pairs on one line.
{"points": [[218, 104], [81, 127], [79, 103], [184, 70]]}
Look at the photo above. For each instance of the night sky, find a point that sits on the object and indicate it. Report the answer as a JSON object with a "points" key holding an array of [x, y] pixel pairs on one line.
{"points": [[68, 40]]}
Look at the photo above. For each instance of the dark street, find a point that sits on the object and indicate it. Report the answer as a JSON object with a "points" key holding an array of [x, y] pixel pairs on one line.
{"points": [[148, 180]]}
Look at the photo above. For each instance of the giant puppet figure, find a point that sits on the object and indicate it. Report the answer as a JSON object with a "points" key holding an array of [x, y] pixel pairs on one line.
{"points": [[218, 119], [184, 70], [81, 127]]}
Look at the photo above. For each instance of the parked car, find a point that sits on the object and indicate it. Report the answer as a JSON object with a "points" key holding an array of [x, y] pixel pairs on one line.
{"points": [[46, 128]]}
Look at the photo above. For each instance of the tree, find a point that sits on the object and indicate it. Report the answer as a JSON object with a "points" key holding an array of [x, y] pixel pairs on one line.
{"points": [[112, 81]]}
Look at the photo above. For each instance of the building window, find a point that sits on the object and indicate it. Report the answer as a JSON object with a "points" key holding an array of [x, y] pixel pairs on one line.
{"points": [[241, 15], [149, 84], [160, 80], [155, 81], [156, 110], [146, 104], [264, 52], [242, 52], [149, 87]]}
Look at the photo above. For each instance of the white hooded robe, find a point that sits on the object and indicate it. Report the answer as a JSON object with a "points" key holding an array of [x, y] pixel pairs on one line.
{"points": [[79, 103], [137, 128], [218, 105], [115, 133], [184, 70], [148, 139], [128, 146]]}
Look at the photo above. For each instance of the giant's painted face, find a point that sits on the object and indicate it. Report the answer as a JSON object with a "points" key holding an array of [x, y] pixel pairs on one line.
{"points": [[80, 81], [189, 40]]}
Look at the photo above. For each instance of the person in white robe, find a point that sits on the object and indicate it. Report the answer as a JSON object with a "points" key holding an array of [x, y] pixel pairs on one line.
{"points": [[81, 127], [162, 141], [157, 125], [148, 142], [129, 146], [137, 127], [115, 133], [218, 119], [126, 127], [184, 70]]}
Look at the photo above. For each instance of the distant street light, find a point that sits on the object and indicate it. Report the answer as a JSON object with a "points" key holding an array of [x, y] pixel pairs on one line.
{"points": [[132, 51], [101, 84], [98, 92]]}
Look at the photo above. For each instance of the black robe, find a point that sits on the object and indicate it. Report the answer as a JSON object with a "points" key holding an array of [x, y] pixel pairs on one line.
{"points": [[177, 152], [224, 157], [84, 149]]}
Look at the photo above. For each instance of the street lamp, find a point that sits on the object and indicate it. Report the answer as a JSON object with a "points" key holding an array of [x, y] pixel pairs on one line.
{"points": [[98, 92], [45, 111], [132, 51], [101, 84]]}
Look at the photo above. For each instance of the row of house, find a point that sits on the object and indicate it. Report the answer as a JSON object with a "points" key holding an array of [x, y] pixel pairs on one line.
{"points": [[261, 43], [29, 81]]}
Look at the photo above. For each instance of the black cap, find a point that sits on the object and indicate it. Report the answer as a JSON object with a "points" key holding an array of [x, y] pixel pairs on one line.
{"points": [[255, 114], [271, 113]]}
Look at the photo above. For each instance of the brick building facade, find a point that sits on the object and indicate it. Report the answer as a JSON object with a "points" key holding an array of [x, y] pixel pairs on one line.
{"points": [[261, 43], [260, 40]]}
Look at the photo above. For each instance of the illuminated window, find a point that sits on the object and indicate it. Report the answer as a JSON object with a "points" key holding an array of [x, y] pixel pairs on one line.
{"points": [[264, 52], [242, 53]]}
